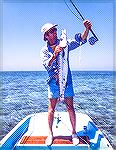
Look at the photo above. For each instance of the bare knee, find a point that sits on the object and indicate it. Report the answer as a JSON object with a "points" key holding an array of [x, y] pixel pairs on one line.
{"points": [[69, 104], [51, 110], [52, 105], [70, 109]]}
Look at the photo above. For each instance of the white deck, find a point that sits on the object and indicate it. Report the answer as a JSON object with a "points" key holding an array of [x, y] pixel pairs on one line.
{"points": [[37, 126]]}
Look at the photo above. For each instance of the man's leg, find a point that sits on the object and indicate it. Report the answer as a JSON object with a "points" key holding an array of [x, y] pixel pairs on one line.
{"points": [[72, 115], [51, 109], [70, 109]]}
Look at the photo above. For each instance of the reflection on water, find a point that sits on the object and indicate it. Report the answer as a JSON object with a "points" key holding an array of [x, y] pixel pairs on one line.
{"points": [[24, 93]]}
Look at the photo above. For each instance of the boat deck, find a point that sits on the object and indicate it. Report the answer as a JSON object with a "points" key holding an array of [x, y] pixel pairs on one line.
{"points": [[38, 130], [32, 131]]}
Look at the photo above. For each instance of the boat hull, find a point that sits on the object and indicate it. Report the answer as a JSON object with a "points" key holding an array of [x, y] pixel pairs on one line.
{"points": [[31, 133]]}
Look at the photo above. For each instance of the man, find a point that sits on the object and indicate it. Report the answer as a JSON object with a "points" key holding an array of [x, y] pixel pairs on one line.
{"points": [[49, 57]]}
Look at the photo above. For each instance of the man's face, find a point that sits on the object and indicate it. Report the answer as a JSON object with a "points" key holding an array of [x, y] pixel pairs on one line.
{"points": [[51, 35]]}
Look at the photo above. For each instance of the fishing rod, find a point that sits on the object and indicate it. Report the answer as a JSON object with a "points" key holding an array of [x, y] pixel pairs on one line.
{"points": [[93, 39]]}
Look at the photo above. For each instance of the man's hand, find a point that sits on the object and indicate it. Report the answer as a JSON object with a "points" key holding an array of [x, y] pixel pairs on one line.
{"points": [[87, 24], [57, 50]]}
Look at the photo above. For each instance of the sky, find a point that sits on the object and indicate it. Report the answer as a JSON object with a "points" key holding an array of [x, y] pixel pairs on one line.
{"points": [[22, 39]]}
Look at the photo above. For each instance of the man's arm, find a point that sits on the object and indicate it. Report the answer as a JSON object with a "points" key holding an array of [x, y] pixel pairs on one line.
{"points": [[56, 52], [87, 25]]}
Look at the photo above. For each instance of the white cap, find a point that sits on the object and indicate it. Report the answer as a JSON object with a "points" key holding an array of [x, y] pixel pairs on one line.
{"points": [[47, 27]]}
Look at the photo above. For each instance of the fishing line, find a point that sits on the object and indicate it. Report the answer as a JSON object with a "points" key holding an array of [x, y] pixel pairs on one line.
{"points": [[72, 12], [95, 119], [101, 113], [91, 116], [83, 19], [87, 110], [70, 129], [84, 109], [68, 106], [63, 97], [80, 55], [92, 40], [77, 10]]}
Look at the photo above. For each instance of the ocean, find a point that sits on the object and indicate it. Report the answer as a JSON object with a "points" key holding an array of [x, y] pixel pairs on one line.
{"points": [[25, 92]]}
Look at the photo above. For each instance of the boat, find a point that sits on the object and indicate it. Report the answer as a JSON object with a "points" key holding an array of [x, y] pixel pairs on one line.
{"points": [[31, 132]]}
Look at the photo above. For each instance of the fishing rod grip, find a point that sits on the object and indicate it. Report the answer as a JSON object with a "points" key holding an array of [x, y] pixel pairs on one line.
{"points": [[94, 34]]}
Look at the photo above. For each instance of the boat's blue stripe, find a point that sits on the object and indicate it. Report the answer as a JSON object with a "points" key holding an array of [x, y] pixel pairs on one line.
{"points": [[52, 147], [12, 140]]}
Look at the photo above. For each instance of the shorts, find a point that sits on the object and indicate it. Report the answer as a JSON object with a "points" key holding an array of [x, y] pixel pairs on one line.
{"points": [[53, 90]]}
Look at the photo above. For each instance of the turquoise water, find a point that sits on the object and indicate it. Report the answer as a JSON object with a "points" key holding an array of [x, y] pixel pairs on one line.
{"points": [[25, 93]]}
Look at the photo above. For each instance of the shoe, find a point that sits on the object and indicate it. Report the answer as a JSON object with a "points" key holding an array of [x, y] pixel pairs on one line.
{"points": [[75, 139], [49, 140]]}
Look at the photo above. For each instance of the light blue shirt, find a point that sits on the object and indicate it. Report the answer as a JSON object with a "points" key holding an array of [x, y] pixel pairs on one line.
{"points": [[47, 53]]}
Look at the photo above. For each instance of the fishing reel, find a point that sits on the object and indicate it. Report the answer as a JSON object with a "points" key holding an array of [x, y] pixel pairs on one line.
{"points": [[92, 40]]}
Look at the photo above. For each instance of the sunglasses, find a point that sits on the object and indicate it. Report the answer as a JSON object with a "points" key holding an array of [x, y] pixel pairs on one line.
{"points": [[51, 31]]}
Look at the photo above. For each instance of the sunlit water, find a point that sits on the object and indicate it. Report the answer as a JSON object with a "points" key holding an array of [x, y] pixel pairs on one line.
{"points": [[25, 93]]}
